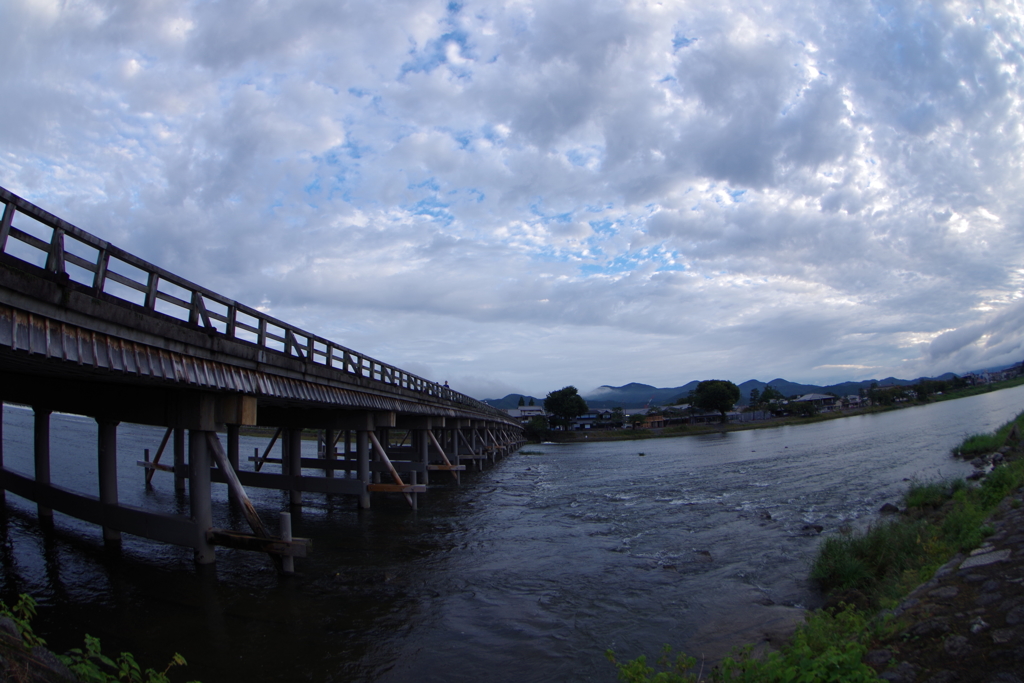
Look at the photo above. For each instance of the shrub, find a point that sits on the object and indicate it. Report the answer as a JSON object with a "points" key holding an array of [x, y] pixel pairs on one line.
{"points": [[872, 562], [978, 444], [637, 670], [932, 494], [827, 649]]}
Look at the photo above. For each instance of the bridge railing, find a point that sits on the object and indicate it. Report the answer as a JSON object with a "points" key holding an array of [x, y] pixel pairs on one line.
{"points": [[51, 243]]}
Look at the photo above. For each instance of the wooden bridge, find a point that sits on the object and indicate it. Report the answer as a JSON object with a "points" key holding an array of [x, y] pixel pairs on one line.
{"points": [[90, 329]]}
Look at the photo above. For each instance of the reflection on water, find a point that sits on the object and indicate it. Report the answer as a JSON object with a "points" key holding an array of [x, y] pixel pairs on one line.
{"points": [[527, 573]]}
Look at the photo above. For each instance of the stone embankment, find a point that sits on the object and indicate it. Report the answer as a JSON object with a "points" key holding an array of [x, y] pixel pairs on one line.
{"points": [[965, 625], [19, 664]]}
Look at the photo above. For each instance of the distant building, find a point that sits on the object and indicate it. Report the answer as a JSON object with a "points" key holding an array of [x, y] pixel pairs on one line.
{"points": [[526, 413], [823, 402]]}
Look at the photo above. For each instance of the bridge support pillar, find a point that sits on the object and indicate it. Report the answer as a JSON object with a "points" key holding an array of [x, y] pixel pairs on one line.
{"points": [[199, 494], [107, 466], [179, 459], [348, 452], [472, 439], [424, 446], [292, 463], [330, 450], [233, 446], [363, 454], [3, 491], [455, 447], [41, 453]]}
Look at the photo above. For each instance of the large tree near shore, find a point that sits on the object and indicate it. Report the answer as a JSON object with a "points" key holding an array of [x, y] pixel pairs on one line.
{"points": [[716, 394], [565, 404]]}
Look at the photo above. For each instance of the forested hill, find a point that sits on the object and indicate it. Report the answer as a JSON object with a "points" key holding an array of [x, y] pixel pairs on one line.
{"points": [[635, 395]]}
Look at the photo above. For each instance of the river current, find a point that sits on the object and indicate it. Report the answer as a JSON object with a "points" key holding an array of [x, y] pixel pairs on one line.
{"points": [[528, 572]]}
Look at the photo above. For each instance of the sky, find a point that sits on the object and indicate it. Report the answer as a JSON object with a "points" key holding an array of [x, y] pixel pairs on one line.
{"points": [[518, 196]]}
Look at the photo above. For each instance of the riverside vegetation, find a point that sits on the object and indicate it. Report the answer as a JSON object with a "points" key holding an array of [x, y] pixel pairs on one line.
{"points": [[865, 575], [538, 432], [25, 659]]}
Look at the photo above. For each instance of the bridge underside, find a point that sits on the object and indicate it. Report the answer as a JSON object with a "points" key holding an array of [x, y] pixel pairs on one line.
{"points": [[374, 446]]}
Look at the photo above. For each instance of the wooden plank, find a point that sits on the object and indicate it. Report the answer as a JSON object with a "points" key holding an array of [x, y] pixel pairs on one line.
{"points": [[397, 488], [352, 463], [152, 466], [449, 468], [284, 482], [174, 529], [297, 547]]}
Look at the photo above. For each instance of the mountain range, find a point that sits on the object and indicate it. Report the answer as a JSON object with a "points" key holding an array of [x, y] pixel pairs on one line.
{"points": [[635, 395]]}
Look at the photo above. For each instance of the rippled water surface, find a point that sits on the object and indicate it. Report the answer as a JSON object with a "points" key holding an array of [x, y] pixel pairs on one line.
{"points": [[528, 572]]}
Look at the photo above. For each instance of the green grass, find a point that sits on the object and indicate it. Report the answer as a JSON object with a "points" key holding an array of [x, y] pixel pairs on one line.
{"points": [[827, 649], [875, 563], [925, 495], [889, 558], [980, 444], [876, 568]]}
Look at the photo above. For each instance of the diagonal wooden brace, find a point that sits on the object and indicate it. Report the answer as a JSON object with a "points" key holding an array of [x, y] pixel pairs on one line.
{"points": [[440, 450], [387, 461], [251, 516]]}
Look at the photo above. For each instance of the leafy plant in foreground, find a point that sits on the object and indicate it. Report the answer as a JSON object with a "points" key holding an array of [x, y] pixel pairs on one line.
{"points": [[92, 666], [89, 665], [22, 614]]}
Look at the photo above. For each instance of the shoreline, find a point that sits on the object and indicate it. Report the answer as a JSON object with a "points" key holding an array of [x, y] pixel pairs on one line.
{"points": [[772, 423]]}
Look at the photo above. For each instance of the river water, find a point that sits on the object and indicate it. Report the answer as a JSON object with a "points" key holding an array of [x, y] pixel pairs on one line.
{"points": [[528, 572]]}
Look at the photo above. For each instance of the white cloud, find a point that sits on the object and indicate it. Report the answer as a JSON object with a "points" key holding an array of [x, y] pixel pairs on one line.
{"points": [[525, 195]]}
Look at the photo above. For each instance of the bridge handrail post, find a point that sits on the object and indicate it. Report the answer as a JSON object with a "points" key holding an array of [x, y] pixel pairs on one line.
{"points": [[5, 224], [55, 257], [190, 306]]}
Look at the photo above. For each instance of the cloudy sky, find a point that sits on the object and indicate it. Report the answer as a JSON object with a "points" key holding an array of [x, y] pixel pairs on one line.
{"points": [[516, 196]]}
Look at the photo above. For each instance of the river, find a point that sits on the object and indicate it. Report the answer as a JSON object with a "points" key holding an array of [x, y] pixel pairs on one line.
{"points": [[528, 572]]}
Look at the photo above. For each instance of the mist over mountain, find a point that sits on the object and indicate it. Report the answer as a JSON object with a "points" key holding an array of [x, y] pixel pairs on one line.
{"points": [[636, 395]]}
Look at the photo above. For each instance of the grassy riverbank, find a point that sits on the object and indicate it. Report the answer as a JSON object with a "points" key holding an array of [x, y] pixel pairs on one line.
{"points": [[717, 428], [867, 574]]}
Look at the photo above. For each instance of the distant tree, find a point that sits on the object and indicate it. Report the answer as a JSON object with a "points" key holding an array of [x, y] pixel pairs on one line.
{"points": [[805, 408], [531, 400], [770, 399], [618, 417], [755, 397], [716, 394], [536, 429], [565, 404], [522, 401]]}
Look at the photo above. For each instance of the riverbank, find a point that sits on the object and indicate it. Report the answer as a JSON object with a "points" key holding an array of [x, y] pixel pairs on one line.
{"points": [[772, 423], [964, 623]]}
